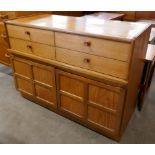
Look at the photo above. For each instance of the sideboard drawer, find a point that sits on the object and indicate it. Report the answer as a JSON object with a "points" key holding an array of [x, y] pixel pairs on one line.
{"points": [[36, 35], [101, 47], [41, 50], [95, 63]]}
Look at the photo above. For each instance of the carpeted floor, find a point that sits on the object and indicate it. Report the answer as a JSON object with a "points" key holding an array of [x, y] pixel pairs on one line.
{"points": [[22, 121]]}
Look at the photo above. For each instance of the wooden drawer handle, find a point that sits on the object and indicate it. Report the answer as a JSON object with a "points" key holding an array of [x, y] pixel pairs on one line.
{"points": [[4, 16], [29, 46], [86, 60], [7, 55], [28, 33], [87, 43], [3, 35]]}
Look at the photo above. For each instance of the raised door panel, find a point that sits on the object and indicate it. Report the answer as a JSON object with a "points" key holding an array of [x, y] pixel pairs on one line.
{"points": [[24, 85], [44, 83], [71, 94], [44, 76], [22, 68], [44, 93], [105, 104], [72, 106], [71, 86], [35, 35], [102, 119], [103, 97]]}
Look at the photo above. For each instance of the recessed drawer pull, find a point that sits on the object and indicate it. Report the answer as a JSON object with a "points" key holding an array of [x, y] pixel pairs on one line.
{"points": [[87, 43], [29, 46], [86, 60], [28, 33]]}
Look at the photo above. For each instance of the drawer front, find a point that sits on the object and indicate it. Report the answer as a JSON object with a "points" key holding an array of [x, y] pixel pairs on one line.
{"points": [[36, 35], [41, 50], [106, 48], [95, 63]]}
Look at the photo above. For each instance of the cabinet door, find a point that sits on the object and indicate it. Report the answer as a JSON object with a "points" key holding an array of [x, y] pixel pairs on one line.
{"points": [[23, 75], [71, 94], [4, 58], [44, 83], [98, 104], [105, 105], [35, 79]]}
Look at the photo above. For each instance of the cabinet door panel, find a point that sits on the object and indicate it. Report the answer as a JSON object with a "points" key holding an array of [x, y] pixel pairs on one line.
{"points": [[72, 106], [44, 79], [103, 97], [45, 93], [71, 94], [98, 104], [44, 76], [101, 118], [24, 85], [72, 86], [22, 68]]}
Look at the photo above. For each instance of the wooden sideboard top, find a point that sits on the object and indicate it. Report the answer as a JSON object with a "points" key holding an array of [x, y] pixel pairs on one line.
{"points": [[116, 30]]}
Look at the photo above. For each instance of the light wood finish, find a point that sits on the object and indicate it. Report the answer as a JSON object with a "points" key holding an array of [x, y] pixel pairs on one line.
{"points": [[127, 31], [102, 97], [24, 86], [22, 69], [35, 35], [71, 95], [41, 50], [44, 79], [45, 94], [99, 89], [35, 79], [101, 118], [84, 72], [107, 48], [75, 97], [4, 43], [95, 63], [137, 65], [43, 76]]}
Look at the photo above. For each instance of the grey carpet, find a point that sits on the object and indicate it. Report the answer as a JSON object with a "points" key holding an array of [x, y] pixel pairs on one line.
{"points": [[5, 69], [22, 121]]}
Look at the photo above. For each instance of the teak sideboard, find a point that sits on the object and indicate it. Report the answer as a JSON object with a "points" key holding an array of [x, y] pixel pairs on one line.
{"points": [[88, 70]]}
